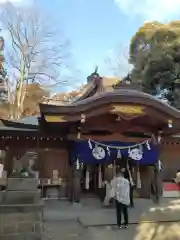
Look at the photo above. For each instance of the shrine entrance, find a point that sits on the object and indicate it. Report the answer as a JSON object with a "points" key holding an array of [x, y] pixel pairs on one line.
{"points": [[89, 179], [99, 160], [92, 181]]}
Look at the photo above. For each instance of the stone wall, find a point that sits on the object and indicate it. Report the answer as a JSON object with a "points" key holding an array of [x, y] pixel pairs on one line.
{"points": [[21, 210], [16, 225]]}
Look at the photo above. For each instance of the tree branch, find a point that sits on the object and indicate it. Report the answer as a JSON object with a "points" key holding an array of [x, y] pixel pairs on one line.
{"points": [[34, 55]]}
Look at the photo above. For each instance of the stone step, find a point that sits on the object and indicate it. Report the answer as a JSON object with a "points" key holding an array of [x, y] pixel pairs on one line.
{"points": [[23, 208], [13, 218], [21, 227], [21, 236], [20, 197], [22, 184]]}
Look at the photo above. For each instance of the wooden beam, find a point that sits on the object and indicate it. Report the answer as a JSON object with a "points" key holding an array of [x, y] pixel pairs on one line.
{"points": [[117, 127]]}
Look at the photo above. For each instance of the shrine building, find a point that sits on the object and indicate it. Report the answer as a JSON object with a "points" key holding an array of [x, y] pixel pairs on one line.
{"points": [[110, 124]]}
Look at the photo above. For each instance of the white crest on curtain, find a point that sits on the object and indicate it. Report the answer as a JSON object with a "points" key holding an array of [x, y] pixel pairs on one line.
{"points": [[98, 152], [136, 154]]}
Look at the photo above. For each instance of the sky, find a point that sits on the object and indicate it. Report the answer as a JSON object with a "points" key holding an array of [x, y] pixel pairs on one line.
{"points": [[100, 30]]}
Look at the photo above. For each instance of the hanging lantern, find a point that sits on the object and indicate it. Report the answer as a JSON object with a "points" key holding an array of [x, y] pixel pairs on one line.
{"points": [[169, 123], [119, 154], [90, 145], [83, 118], [148, 146]]}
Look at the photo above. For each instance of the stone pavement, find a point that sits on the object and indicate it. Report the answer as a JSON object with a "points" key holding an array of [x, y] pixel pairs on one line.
{"points": [[89, 220], [145, 231], [56, 230], [90, 212]]}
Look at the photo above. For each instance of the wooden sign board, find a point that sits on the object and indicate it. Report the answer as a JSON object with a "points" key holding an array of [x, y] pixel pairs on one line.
{"points": [[128, 109], [54, 119]]}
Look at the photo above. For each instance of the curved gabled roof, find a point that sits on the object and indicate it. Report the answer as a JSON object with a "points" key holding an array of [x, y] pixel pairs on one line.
{"points": [[19, 126], [128, 96]]}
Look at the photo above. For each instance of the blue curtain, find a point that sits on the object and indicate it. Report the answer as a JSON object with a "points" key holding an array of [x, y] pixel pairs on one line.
{"points": [[82, 150]]}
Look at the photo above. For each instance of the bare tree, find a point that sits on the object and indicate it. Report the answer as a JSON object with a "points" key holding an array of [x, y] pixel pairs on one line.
{"points": [[118, 63], [37, 53]]}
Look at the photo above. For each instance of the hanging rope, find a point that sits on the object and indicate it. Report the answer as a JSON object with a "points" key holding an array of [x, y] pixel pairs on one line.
{"points": [[117, 147]]}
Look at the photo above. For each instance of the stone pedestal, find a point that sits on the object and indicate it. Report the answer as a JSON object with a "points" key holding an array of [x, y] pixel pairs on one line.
{"points": [[21, 210]]}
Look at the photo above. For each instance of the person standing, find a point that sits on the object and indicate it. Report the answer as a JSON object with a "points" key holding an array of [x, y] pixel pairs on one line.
{"points": [[121, 189]]}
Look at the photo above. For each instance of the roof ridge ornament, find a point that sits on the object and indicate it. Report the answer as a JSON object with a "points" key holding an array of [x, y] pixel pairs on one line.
{"points": [[94, 75]]}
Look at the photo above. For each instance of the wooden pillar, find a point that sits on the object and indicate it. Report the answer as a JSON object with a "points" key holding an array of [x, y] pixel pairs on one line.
{"points": [[156, 182], [74, 188], [70, 186], [8, 161], [76, 185]]}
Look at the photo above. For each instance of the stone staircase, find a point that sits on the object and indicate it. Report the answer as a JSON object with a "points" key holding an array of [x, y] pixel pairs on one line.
{"points": [[21, 210]]}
